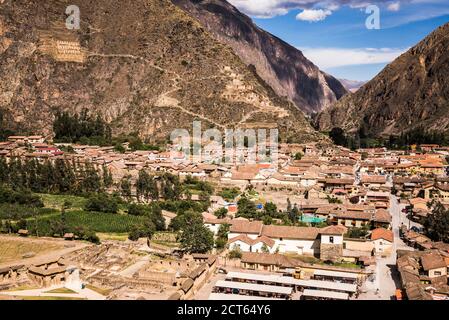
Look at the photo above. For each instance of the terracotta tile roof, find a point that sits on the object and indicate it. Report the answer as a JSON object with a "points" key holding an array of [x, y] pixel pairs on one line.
{"points": [[244, 238], [373, 179], [239, 175], [340, 230], [340, 181], [442, 186], [270, 259], [288, 232], [357, 215], [293, 170], [381, 233], [415, 201], [432, 261], [254, 227], [382, 215]]}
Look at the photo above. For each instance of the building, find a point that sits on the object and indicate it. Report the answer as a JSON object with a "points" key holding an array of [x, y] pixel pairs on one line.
{"points": [[331, 245], [382, 240], [434, 265]]}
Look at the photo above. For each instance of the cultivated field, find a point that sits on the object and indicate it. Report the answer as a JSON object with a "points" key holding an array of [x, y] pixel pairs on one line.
{"points": [[13, 248]]}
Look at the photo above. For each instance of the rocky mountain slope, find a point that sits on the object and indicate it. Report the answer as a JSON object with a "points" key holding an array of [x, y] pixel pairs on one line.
{"points": [[411, 92], [144, 65], [282, 66], [352, 85]]}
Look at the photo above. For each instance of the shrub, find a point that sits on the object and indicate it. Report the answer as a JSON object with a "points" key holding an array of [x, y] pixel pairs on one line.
{"points": [[235, 253], [102, 203]]}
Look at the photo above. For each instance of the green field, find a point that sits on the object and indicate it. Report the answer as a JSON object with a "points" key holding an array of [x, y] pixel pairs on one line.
{"points": [[61, 290], [57, 201], [98, 222], [16, 212]]}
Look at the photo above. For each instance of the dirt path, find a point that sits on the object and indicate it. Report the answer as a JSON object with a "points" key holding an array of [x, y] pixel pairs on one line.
{"points": [[65, 248]]}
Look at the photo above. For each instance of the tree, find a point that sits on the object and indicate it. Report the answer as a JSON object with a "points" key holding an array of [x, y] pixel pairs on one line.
{"points": [[338, 136], [298, 156], [246, 208], [222, 236], [144, 230], [267, 220], [289, 206], [265, 248], [270, 209], [107, 177], [136, 210], [293, 215], [102, 203], [125, 187], [229, 194], [235, 253], [119, 148], [221, 213], [196, 238], [183, 219], [437, 224]]}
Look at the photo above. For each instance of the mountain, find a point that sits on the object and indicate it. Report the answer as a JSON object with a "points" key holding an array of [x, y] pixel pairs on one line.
{"points": [[411, 92], [352, 85], [281, 65], [145, 66]]}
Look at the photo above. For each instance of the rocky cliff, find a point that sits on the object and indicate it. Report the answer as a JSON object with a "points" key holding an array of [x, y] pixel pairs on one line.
{"points": [[144, 65], [281, 65], [411, 92]]}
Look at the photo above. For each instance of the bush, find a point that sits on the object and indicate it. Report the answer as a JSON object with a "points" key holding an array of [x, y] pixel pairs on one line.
{"points": [[229, 194], [144, 230], [8, 195], [86, 234], [235, 253], [136, 210], [102, 203], [221, 213]]}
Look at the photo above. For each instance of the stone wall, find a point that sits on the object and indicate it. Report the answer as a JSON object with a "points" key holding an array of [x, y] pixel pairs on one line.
{"points": [[189, 286], [332, 252]]}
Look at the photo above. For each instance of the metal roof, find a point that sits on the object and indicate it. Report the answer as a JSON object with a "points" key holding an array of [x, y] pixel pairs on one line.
{"points": [[253, 287], [325, 294], [224, 296], [337, 274], [261, 277], [329, 285]]}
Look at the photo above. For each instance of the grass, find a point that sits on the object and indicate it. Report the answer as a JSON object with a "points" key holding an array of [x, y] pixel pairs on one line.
{"points": [[116, 236], [106, 223], [14, 248], [102, 291], [57, 201], [22, 288], [347, 265], [17, 211], [49, 298], [61, 290], [166, 243]]}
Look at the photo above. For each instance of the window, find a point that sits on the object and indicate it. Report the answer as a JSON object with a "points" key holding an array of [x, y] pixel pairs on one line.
{"points": [[331, 239], [437, 273]]}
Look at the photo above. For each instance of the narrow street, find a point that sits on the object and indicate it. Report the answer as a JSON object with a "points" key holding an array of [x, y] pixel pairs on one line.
{"points": [[387, 277]]}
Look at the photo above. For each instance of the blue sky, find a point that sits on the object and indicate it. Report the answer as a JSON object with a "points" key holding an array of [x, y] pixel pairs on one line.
{"points": [[333, 35]]}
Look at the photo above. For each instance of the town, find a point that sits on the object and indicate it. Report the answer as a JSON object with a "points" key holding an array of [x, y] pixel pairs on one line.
{"points": [[323, 223]]}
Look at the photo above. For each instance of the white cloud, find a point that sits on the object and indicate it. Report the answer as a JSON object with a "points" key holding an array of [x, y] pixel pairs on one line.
{"points": [[313, 15], [394, 6], [272, 8], [326, 58]]}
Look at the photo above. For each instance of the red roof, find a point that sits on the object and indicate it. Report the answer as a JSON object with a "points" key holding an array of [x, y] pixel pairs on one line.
{"points": [[381, 233]]}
